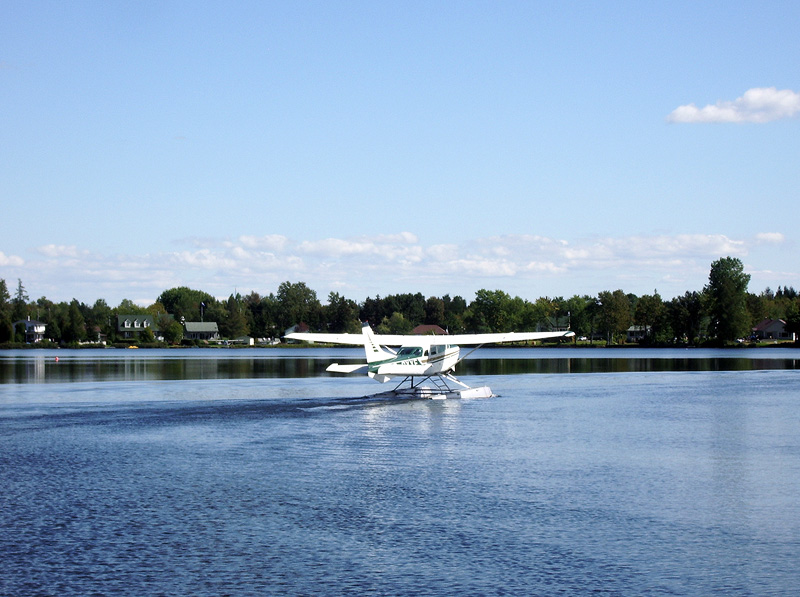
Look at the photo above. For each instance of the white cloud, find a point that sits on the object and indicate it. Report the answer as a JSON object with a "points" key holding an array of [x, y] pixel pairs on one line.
{"points": [[337, 247], [368, 266], [666, 248], [272, 242], [544, 267], [760, 104], [443, 252], [771, 238], [491, 268], [206, 259], [403, 238], [401, 248], [55, 251], [11, 260]]}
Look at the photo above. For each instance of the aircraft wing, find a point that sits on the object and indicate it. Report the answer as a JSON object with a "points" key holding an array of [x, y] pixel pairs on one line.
{"points": [[399, 340], [497, 338]]}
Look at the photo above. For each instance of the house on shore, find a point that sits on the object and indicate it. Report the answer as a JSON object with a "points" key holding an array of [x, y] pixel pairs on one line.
{"points": [[34, 330], [637, 333], [200, 330], [130, 326], [429, 329], [772, 329]]}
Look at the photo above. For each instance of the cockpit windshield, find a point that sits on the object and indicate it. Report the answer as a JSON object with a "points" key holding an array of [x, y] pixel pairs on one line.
{"points": [[410, 351]]}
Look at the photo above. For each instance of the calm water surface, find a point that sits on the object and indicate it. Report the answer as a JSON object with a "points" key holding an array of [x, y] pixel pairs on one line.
{"points": [[148, 474]]}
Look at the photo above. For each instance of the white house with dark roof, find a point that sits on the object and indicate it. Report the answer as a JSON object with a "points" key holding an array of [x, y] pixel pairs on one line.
{"points": [[772, 329], [34, 330]]}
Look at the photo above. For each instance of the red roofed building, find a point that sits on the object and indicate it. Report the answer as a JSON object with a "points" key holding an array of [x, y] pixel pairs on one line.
{"points": [[427, 330], [772, 329]]}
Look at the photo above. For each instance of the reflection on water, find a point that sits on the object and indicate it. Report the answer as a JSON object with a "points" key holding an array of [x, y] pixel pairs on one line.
{"points": [[621, 365], [54, 366]]}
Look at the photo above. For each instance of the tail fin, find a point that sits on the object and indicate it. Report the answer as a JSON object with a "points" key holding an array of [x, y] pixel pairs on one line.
{"points": [[371, 347]]}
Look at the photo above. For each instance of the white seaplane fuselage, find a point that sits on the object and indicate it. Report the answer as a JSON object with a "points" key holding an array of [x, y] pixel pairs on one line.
{"points": [[413, 360]]}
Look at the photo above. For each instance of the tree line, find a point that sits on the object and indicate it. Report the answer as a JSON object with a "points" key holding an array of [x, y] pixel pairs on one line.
{"points": [[723, 311]]}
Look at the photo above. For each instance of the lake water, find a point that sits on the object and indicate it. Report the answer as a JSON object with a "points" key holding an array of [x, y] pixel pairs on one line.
{"points": [[250, 472]]}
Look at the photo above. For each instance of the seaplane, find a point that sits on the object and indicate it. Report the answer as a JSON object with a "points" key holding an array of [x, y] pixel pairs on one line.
{"points": [[425, 364]]}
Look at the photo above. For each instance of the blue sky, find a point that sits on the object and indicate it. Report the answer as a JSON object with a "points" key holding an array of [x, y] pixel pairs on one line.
{"points": [[541, 148]]}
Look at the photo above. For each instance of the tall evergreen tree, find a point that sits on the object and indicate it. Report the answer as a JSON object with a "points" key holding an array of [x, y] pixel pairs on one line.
{"points": [[234, 322], [6, 330], [75, 330], [20, 303], [5, 305]]}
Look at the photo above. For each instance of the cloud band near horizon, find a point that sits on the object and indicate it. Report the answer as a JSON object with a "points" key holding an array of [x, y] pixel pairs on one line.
{"points": [[379, 265]]}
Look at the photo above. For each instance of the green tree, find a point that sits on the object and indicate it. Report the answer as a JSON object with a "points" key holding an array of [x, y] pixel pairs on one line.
{"points": [[128, 307], [50, 317], [252, 306], [793, 318], [371, 310], [341, 314], [579, 310], [540, 315], [146, 336], [410, 306], [173, 332], [434, 311], [649, 314], [6, 330], [5, 298], [726, 295], [260, 314], [100, 320], [269, 313], [759, 306], [614, 314], [19, 332], [234, 322], [20, 303], [396, 324], [298, 304], [685, 314], [454, 309], [493, 311], [185, 303], [75, 330]]}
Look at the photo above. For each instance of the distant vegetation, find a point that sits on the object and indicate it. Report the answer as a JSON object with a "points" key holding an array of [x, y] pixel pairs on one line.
{"points": [[722, 312]]}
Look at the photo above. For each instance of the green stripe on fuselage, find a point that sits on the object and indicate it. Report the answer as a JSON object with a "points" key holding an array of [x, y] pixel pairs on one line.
{"points": [[414, 360]]}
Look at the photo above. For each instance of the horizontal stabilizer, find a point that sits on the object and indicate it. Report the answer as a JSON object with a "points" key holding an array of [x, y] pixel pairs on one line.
{"points": [[337, 368]]}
